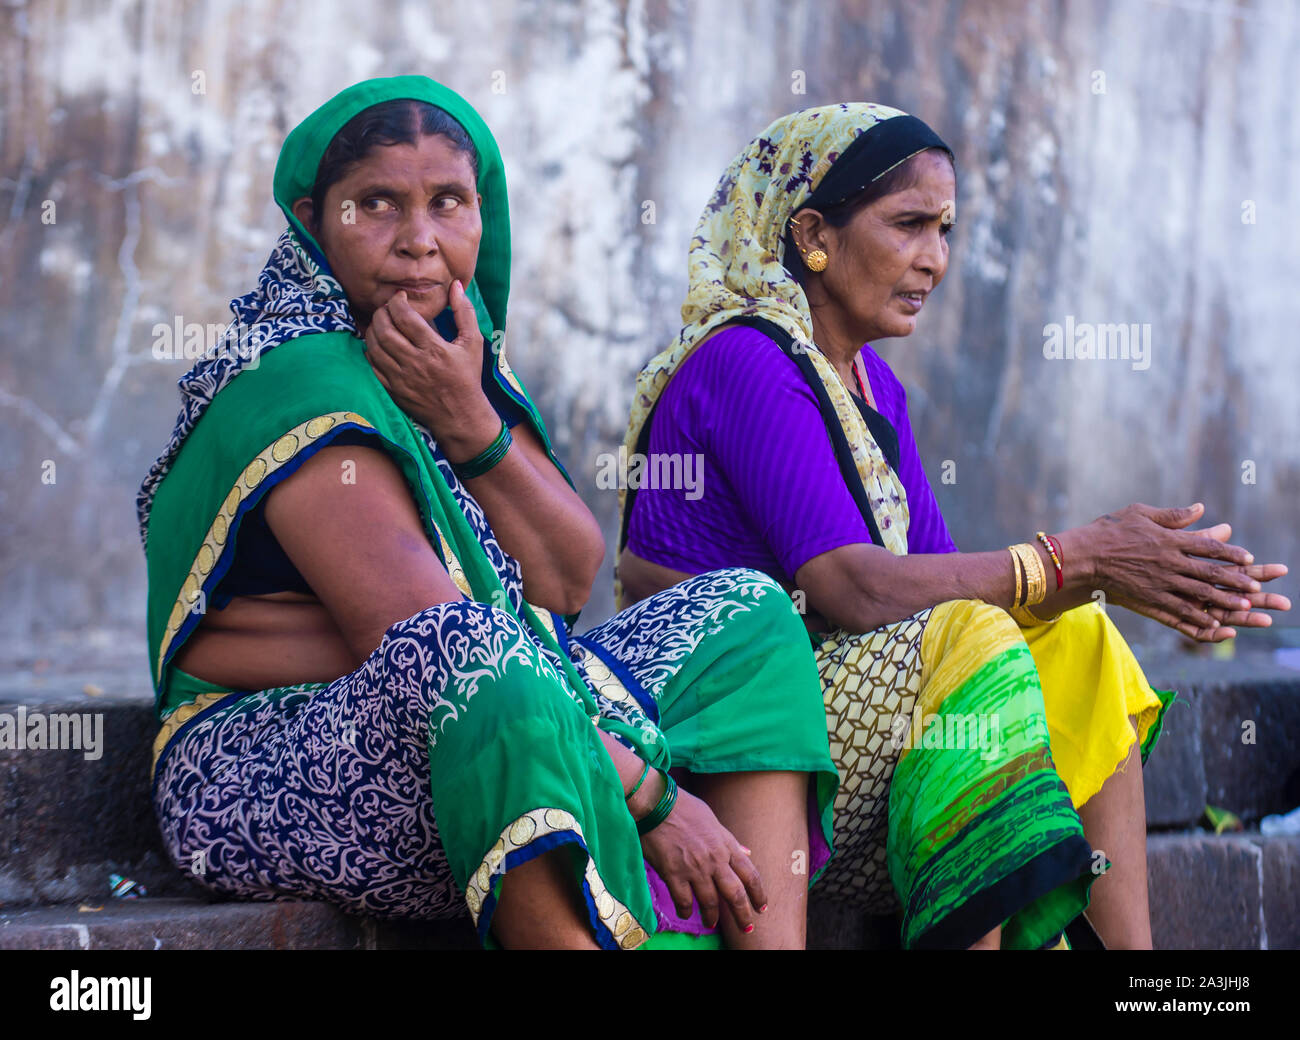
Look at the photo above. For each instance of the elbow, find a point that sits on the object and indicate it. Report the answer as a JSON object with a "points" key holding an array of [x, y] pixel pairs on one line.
{"points": [[862, 614], [575, 576], [581, 579], [569, 596], [867, 605], [573, 601]]}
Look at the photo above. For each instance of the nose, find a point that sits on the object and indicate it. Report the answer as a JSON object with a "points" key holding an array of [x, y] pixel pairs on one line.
{"points": [[932, 257], [416, 235]]}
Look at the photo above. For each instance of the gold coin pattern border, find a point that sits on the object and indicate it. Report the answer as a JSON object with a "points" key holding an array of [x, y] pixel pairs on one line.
{"points": [[605, 682], [178, 718], [531, 826]]}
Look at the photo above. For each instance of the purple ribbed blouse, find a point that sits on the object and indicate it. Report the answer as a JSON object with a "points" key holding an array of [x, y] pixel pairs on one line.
{"points": [[770, 494]]}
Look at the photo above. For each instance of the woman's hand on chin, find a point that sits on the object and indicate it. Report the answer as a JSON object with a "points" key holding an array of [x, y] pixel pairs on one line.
{"points": [[435, 382], [1190, 580]]}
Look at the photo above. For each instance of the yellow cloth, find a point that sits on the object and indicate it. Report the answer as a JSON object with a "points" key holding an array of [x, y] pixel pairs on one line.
{"points": [[1091, 684]]}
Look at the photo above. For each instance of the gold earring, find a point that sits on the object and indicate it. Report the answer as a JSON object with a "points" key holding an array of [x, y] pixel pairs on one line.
{"points": [[817, 260]]}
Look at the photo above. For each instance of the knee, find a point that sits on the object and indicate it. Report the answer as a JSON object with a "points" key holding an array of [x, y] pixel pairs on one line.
{"points": [[1088, 620], [436, 624], [1086, 627], [763, 601], [457, 644], [961, 627]]}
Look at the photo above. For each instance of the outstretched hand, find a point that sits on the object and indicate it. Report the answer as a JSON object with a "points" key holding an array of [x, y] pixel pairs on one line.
{"points": [[1192, 580]]}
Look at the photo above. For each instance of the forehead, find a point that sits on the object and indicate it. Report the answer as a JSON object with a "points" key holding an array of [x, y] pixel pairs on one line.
{"points": [[933, 182], [432, 158]]}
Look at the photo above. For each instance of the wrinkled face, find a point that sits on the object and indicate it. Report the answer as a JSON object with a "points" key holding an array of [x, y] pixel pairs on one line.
{"points": [[406, 217], [891, 255]]}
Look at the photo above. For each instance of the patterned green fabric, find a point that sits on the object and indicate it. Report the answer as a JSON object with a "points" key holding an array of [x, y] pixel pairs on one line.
{"points": [[987, 836]]}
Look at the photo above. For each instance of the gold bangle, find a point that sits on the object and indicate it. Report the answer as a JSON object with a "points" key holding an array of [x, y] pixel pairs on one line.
{"points": [[1019, 552], [1015, 573], [1035, 577], [1028, 618], [1038, 585], [1035, 585]]}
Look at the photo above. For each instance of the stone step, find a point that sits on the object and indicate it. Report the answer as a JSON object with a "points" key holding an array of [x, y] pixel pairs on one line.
{"points": [[1208, 892], [1224, 892], [1232, 740], [191, 924], [70, 818], [198, 924]]}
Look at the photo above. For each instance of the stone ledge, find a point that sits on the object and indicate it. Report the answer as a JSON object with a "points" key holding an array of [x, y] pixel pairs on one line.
{"points": [[1232, 743], [1224, 892], [192, 924], [184, 924], [1208, 892]]}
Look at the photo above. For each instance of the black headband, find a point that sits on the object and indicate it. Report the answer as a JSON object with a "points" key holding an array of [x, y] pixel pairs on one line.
{"points": [[870, 155]]}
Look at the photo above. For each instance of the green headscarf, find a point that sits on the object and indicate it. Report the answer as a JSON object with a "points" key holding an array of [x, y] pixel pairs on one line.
{"points": [[295, 174]]}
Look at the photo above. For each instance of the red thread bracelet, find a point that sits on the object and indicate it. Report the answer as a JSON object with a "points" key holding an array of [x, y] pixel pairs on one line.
{"points": [[1054, 551]]}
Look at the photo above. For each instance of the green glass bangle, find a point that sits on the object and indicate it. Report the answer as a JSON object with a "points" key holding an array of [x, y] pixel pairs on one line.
{"points": [[644, 773], [660, 812], [487, 458]]}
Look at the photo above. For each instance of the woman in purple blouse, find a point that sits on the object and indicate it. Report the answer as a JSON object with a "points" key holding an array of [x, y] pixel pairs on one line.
{"points": [[773, 502], [982, 759]]}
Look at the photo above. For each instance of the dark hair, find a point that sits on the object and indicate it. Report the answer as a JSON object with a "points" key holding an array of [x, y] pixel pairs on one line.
{"points": [[900, 178], [401, 121]]}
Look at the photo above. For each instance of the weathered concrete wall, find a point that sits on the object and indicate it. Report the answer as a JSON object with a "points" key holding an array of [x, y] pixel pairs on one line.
{"points": [[1110, 155]]}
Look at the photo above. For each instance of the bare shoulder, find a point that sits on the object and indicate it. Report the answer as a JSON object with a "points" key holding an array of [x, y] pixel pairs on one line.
{"points": [[346, 473], [348, 520]]}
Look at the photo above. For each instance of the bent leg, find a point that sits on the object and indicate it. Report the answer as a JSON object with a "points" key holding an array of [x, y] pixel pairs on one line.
{"points": [[517, 769], [539, 907], [981, 830], [1115, 822], [1104, 718], [1092, 685], [333, 794], [722, 663], [768, 814]]}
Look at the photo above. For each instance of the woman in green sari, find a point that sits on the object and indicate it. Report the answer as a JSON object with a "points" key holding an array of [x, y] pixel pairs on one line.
{"points": [[363, 561]]}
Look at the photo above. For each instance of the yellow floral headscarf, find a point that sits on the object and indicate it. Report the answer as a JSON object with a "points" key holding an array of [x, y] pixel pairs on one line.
{"points": [[736, 269]]}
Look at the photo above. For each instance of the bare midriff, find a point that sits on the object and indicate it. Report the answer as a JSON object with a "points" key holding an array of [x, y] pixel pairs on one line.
{"points": [[259, 642], [641, 578]]}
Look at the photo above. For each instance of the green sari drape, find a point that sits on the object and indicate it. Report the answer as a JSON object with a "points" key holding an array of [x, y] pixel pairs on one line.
{"points": [[307, 387]]}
